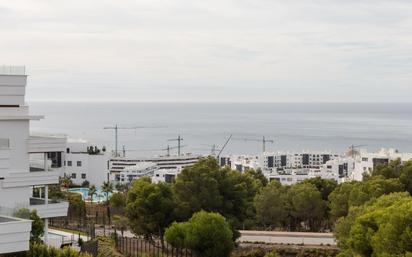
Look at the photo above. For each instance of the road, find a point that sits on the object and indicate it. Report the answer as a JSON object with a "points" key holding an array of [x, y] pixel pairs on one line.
{"points": [[287, 237]]}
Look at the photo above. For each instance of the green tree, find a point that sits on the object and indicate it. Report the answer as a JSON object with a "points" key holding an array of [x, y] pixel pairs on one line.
{"points": [[65, 181], [258, 174], [306, 205], [207, 234], [37, 225], [150, 208], [77, 207], [405, 176], [272, 205], [120, 223], [381, 228], [107, 189], [55, 193], [206, 186], [117, 200], [339, 199], [92, 192], [324, 186], [392, 170], [351, 194]]}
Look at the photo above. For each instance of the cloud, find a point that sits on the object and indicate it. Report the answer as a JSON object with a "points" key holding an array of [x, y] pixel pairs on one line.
{"points": [[223, 50]]}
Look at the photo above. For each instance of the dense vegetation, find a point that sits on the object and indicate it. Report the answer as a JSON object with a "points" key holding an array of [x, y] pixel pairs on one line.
{"points": [[355, 210], [247, 200]]}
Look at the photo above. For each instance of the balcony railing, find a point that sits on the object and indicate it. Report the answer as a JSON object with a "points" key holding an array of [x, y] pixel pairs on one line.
{"points": [[12, 70], [41, 201], [8, 214]]}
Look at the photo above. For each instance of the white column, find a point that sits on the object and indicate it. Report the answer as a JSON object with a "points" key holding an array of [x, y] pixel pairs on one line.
{"points": [[45, 161], [46, 231]]}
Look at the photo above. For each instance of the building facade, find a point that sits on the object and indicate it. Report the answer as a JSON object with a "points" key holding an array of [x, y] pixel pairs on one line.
{"points": [[86, 162], [167, 166], [17, 178]]}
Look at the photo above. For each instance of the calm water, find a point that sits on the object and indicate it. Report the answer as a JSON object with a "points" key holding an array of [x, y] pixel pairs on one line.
{"points": [[292, 126]]}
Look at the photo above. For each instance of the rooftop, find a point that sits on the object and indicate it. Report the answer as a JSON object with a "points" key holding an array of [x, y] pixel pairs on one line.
{"points": [[12, 70]]}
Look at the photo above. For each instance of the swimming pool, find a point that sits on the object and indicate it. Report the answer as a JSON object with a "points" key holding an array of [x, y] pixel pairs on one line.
{"points": [[98, 197]]}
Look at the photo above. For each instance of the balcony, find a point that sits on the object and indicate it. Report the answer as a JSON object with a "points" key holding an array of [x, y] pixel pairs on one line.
{"points": [[53, 208], [46, 143], [14, 234], [24, 179]]}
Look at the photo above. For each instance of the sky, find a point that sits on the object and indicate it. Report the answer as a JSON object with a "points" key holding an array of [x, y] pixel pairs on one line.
{"points": [[211, 51]]}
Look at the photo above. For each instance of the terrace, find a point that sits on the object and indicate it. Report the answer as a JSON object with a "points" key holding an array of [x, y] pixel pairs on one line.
{"points": [[14, 232]]}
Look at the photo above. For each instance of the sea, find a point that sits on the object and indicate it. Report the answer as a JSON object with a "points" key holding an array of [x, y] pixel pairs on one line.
{"points": [[291, 126]]}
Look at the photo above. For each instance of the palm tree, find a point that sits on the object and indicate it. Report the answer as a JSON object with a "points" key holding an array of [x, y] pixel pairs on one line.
{"points": [[107, 188], [65, 181], [92, 191]]}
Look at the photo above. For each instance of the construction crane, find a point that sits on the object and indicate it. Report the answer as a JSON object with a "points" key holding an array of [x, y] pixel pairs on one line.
{"points": [[179, 139], [223, 147], [352, 150], [116, 133], [263, 140], [168, 148], [212, 148]]}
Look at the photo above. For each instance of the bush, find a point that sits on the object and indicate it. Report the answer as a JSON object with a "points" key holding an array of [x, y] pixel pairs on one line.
{"points": [[207, 234], [41, 250], [272, 254]]}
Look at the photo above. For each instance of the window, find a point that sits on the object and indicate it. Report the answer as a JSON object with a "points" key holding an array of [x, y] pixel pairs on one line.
{"points": [[79, 163], [83, 175], [73, 175], [364, 159], [69, 163], [67, 150]]}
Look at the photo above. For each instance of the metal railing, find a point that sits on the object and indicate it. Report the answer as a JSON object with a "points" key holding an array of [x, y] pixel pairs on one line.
{"points": [[41, 201], [7, 214], [12, 70]]}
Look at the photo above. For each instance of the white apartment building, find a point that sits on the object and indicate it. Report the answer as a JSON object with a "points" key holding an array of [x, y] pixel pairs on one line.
{"points": [[365, 162], [172, 164], [84, 161], [241, 162], [290, 168], [283, 161], [17, 180], [143, 169]]}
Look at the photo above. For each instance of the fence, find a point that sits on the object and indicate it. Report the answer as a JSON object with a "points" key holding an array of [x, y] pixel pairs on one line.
{"points": [[90, 247], [137, 247]]}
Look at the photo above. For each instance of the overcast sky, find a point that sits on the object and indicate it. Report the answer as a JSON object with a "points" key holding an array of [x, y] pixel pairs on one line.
{"points": [[213, 50]]}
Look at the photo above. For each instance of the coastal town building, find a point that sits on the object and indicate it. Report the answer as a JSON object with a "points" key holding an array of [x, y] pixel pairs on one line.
{"points": [[366, 161], [18, 175], [167, 166], [86, 163]]}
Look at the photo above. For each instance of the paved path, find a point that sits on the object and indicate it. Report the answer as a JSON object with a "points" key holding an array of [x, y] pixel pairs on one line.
{"points": [[287, 237]]}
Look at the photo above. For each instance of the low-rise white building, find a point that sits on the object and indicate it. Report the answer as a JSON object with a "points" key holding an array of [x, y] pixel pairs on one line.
{"points": [[143, 169], [279, 161], [241, 162], [84, 161], [17, 179], [365, 161], [171, 164]]}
